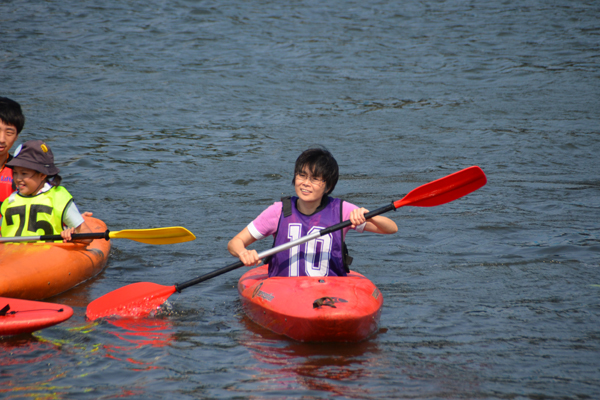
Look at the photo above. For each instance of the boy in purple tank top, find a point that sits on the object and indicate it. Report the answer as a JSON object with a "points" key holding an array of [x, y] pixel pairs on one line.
{"points": [[315, 176]]}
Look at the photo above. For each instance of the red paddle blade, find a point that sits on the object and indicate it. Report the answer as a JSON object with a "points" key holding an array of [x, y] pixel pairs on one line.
{"points": [[135, 300], [445, 190]]}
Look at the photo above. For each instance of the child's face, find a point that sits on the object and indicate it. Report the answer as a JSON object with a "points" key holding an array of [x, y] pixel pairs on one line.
{"points": [[309, 188], [28, 181], [8, 135]]}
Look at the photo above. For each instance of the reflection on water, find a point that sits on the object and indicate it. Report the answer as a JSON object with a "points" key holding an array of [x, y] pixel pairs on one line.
{"points": [[143, 331], [23, 349], [16, 352], [327, 367], [48, 351], [360, 370], [136, 333]]}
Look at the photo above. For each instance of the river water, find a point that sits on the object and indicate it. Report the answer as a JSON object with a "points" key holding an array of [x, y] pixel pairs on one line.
{"points": [[192, 113]]}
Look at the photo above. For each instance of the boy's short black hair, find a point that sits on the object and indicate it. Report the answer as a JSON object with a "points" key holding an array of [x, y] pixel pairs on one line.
{"points": [[11, 114], [321, 164]]}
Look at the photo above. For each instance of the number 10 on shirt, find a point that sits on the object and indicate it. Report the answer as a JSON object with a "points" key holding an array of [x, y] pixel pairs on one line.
{"points": [[316, 258]]}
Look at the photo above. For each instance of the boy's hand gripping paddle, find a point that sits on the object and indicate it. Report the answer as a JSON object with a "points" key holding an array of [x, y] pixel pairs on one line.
{"points": [[140, 299]]}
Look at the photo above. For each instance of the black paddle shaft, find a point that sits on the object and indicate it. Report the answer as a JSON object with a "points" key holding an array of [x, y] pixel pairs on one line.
{"points": [[91, 235], [180, 286], [52, 238]]}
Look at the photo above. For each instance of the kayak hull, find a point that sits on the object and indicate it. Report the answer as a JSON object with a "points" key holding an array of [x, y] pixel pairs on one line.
{"points": [[26, 316], [312, 309], [36, 271]]}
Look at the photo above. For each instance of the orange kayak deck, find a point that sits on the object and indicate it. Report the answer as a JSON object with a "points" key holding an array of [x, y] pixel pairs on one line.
{"points": [[26, 316], [37, 271], [312, 309]]}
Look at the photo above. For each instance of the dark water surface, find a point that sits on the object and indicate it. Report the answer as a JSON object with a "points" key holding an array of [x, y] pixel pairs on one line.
{"points": [[192, 113]]}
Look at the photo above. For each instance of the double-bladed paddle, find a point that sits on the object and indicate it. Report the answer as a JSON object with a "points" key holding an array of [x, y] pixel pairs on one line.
{"points": [[170, 235], [140, 299]]}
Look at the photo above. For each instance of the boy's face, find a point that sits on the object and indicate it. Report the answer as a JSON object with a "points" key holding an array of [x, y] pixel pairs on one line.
{"points": [[28, 181], [309, 188], [8, 136]]}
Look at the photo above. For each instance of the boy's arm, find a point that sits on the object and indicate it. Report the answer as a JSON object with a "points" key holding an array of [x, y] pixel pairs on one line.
{"points": [[237, 247], [75, 224], [68, 232], [264, 225], [377, 224]]}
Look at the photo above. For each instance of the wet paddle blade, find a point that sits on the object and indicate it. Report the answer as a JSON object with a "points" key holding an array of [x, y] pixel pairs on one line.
{"points": [[445, 190], [135, 300], [170, 235]]}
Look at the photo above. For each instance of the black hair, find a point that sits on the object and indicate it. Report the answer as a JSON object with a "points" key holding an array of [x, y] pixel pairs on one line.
{"points": [[11, 114], [321, 164], [54, 180]]}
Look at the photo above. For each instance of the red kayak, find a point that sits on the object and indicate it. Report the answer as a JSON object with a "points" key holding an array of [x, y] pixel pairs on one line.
{"points": [[26, 316], [312, 309]]}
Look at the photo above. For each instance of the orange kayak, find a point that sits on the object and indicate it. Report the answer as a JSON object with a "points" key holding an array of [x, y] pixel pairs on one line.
{"points": [[312, 309], [37, 271]]}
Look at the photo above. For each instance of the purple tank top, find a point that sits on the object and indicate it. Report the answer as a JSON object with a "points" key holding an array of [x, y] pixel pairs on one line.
{"points": [[319, 257]]}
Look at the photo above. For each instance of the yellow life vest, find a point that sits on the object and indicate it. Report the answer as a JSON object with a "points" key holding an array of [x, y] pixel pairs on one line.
{"points": [[35, 215]]}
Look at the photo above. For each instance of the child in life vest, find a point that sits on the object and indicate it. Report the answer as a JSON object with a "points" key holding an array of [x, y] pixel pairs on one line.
{"points": [[315, 176], [39, 206]]}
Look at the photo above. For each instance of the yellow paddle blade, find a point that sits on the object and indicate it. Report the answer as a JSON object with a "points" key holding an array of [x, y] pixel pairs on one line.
{"points": [[169, 235]]}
